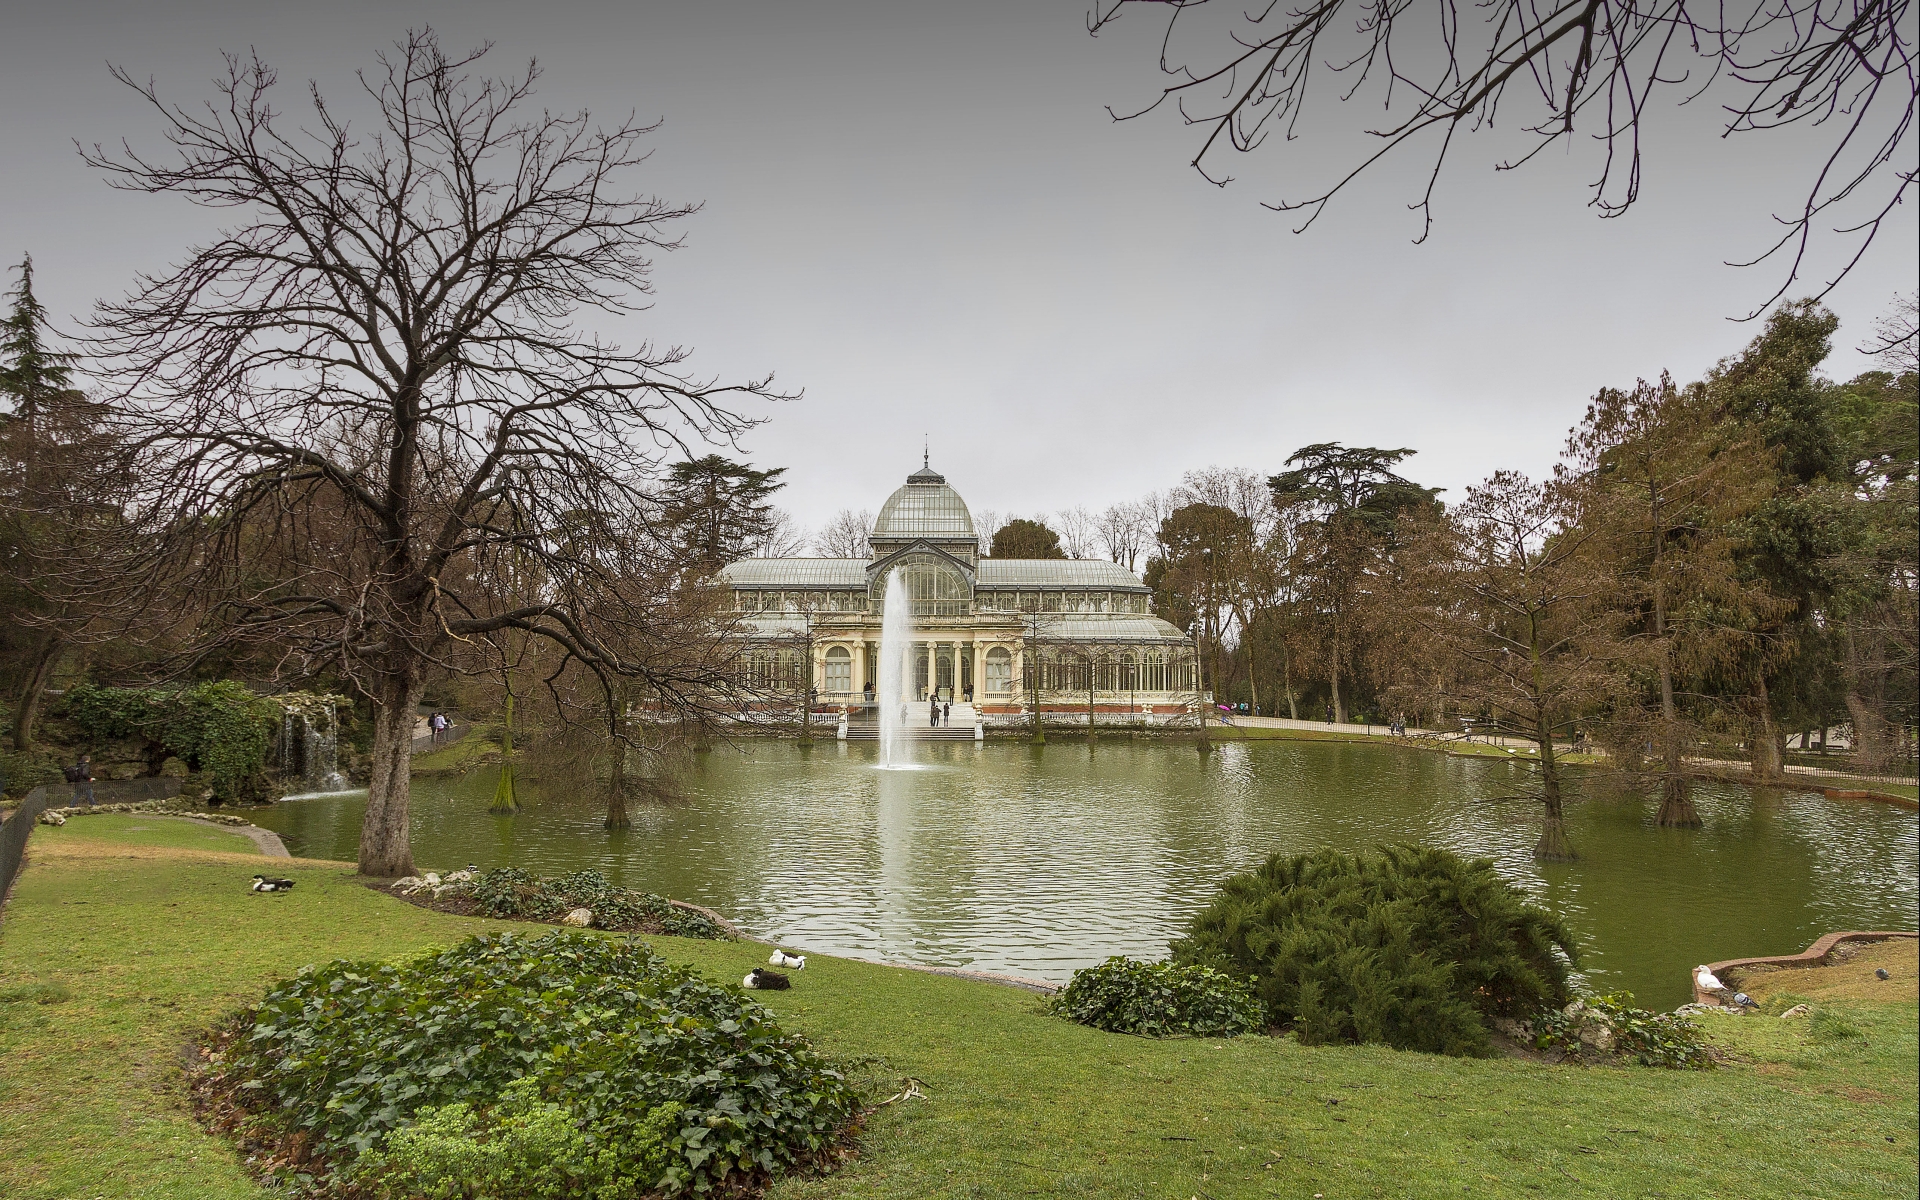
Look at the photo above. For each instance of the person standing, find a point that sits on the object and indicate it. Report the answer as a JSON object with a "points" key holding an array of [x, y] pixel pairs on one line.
{"points": [[933, 712], [80, 775]]}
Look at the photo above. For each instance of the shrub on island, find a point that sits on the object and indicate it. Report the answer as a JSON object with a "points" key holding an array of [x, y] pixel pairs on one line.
{"points": [[509, 893], [566, 1064], [1415, 948], [1156, 999]]}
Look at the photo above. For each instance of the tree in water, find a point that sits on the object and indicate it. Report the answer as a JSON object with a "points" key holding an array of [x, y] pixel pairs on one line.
{"points": [[1663, 478], [1518, 597], [379, 371]]}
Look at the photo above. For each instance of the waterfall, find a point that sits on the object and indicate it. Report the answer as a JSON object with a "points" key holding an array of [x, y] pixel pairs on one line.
{"points": [[310, 746], [896, 637], [322, 748]]}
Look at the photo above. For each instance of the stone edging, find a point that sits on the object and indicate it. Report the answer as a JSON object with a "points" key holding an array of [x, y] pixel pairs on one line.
{"points": [[1882, 797], [1809, 957]]}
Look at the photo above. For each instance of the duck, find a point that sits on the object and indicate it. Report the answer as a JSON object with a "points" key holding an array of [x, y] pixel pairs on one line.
{"points": [[780, 958], [762, 980], [1706, 980], [263, 884]]}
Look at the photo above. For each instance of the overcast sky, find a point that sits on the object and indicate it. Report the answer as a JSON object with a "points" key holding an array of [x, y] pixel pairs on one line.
{"points": [[922, 216]]}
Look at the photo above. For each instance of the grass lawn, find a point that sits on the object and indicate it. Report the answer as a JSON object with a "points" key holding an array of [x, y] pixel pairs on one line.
{"points": [[118, 945]]}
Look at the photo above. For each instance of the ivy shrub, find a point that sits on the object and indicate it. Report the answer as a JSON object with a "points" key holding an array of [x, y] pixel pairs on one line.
{"points": [[1157, 999], [1414, 948], [1649, 1038], [219, 728], [634, 1076], [509, 892]]}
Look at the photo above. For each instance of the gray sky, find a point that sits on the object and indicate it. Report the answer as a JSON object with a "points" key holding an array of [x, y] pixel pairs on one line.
{"points": [[922, 215]]}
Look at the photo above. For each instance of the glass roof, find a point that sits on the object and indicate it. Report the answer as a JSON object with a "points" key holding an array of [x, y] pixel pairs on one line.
{"points": [[925, 508]]}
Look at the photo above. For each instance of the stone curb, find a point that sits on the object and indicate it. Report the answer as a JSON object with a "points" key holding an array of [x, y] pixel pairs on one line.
{"points": [[1811, 956]]}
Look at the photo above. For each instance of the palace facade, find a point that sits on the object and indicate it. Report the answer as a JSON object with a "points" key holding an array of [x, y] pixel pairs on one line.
{"points": [[988, 632]]}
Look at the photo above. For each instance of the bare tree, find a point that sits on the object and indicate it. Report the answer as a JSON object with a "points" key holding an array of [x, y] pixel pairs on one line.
{"points": [[1123, 534], [1896, 336], [784, 538], [1842, 67], [1515, 595], [986, 523], [378, 376], [1078, 530], [845, 536]]}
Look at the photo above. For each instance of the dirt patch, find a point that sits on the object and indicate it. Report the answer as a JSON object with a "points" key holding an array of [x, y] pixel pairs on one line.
{"points": [[1847, 973]]}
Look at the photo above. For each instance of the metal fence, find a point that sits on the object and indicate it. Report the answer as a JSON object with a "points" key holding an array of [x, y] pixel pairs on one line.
{"points": [[14, 834]]}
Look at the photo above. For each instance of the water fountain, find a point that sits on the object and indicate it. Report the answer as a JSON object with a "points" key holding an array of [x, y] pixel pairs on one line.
{"points": [[896, 636]]}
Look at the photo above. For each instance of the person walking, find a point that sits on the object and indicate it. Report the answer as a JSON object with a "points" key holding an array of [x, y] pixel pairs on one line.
{"points": [[933, 712], [80, 775]]}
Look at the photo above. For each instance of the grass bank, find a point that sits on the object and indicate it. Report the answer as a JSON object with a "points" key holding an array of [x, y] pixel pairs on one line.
{"points": [[120, 944]]}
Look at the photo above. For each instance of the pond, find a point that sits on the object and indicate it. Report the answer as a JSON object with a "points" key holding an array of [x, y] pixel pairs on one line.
{"points": [[1037, 861]]}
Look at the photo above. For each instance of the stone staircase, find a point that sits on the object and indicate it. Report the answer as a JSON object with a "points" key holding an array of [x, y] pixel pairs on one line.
{"points": [[963, 725]]}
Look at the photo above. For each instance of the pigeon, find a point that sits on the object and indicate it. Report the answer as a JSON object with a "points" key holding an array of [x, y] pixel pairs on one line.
{"points": [[1881, 973], [761, 979], [1706, 980], [262, 884], [1745, 1001], [796, 962]]}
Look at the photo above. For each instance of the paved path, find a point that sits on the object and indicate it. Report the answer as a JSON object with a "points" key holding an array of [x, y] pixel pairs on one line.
{"points": [[268, 841]]}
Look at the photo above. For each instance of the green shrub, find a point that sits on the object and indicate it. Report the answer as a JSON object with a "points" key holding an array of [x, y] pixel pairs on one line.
{"points": [[24, 772], [344, 1055], [509, 892], [219, 728], [1413, 948], [1156, 999], [1650, 1038], [523, 1147]]}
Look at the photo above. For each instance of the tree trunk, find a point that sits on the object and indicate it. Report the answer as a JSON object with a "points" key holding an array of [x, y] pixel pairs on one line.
{"points": [[46, 659], [1871, 730], [1286, 678], [1870, 740], [385, 848], [1090, 682], [505, 802], [1763, 741], [1553, 845], [1204, 744], [1339, 702], [1676, 803], [617, 817]]}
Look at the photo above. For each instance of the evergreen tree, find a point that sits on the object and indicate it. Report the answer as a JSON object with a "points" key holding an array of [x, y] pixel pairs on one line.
{"points": [[30, 372]]}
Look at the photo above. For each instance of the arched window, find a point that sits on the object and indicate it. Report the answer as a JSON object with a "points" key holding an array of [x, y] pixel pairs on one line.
{"points": [[999, 669], [839, 669], [1129, 673], [934, 586]]}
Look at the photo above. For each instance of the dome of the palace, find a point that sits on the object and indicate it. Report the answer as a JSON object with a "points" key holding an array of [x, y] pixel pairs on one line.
{"points": [[925, 508]]}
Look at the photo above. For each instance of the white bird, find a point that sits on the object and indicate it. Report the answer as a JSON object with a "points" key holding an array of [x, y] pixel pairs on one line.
{"points": [[780, 958], [1706, 980]]}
